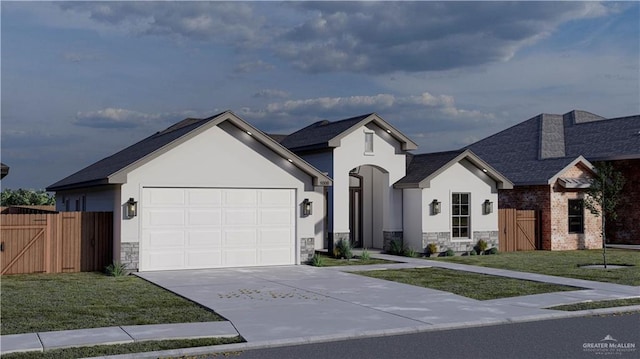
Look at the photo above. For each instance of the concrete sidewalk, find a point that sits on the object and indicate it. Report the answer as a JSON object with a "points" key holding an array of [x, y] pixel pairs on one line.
{"points": [[287, 305], [113, 335]]}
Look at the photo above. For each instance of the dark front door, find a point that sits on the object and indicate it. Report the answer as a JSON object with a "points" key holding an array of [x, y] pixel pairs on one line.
{"points": [[355, 211]]}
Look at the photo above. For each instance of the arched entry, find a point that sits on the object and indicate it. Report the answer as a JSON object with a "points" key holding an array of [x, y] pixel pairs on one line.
{"points": [[368, 191]]}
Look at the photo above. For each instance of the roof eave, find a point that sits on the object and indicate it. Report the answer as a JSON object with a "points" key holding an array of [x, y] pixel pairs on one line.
{"points": [[94, 183]]}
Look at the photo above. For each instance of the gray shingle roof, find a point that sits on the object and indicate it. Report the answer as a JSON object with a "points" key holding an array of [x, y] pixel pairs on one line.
{"points": [[423, 165], [534, 151], [318, 134], [98, 172]]}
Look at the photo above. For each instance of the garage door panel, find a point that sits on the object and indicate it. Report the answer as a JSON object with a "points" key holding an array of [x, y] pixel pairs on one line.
{"points": [[165, 239], [275, 217], [163, 217], [164, 196], [204, 259], [206, 197], [240, 198], [239, 217], [204, 217], [275, 198], [240, 257], [159, 260], [275, 256], [235, 238], [213, 227], [275, 237], [205, 239]]}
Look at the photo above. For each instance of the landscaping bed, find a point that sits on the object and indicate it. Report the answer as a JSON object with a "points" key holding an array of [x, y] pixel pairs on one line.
{"points": [[50, 302], [563, 263], [470, 285], [328, 261], [598, 304], [105, 350]]}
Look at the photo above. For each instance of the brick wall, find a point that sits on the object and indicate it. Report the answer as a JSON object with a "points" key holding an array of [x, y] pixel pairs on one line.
{"points": [[626, 229], [591, 238], [552, 202], [531, 198]]}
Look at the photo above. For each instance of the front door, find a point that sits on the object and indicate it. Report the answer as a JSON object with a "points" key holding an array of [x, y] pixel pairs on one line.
{"points": [[355, 210]]}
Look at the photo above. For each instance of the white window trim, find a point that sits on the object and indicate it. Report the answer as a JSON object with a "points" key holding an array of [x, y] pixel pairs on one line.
{"points": [[369, 153], [460, 239]]}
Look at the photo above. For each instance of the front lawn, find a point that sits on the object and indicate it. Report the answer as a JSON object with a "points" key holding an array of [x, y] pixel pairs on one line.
{"points": [[563, 264], [471, 285], [49, 302]]}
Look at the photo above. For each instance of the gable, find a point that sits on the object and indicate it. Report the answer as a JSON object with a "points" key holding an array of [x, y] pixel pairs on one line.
{"points": [[427, 167], [326, 134], [114, 169], [221, 156]]}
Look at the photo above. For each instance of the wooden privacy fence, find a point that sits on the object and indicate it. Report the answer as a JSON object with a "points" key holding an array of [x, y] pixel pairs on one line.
{"points": [[517, 230], [55, 242]]}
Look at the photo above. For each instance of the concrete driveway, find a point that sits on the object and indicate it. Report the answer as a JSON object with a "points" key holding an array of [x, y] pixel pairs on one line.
{"points": [[278, 303]]}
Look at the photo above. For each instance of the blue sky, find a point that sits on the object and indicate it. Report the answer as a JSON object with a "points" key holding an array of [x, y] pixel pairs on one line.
{"points": [[82, 80]]}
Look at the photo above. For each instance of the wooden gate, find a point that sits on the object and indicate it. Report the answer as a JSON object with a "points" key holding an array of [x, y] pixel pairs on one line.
{"points": [[517, 230], [55, 242]]}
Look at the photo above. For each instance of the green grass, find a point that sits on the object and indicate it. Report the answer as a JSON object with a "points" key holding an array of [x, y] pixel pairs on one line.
{"points": [[471, 285], [598, 304], [328, 261], [103, 350], [563, 264], [49, 302]]}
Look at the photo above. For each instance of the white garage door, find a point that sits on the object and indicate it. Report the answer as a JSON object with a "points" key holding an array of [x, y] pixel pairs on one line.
{"points": [[189, 228]]}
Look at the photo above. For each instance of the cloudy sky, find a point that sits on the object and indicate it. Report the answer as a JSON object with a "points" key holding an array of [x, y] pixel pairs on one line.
{"points": [[81, 81]]}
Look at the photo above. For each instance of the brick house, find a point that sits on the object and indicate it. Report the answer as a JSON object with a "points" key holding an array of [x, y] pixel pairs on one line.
{"points": [[550, 158]]}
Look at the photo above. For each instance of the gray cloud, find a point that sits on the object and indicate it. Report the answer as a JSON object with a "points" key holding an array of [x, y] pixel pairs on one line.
{"points": [[120, 118], [231, 22], [380, 37], [259, 65], [271, 93], [367, 37]]}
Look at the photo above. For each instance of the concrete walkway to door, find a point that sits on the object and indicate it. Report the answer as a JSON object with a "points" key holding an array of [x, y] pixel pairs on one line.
{"points": [[277, 304]]}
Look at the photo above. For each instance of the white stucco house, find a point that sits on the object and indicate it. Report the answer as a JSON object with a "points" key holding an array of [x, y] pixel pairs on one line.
{"points": [[450, 199], [217, 192]]}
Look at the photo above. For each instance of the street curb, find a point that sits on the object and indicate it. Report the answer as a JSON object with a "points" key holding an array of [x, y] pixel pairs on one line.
{"points": [[369, 334]]}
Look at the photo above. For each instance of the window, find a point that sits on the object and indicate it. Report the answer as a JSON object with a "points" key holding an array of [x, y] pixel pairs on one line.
{"points": [[460, 216], [368, 142], [576, 216]]}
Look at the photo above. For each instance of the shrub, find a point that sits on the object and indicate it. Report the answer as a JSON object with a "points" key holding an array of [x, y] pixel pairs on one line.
{"points": [[431, 249], [472, 252], [343, 249], [410, 252], [365, 256], [492, 250], [116, 269], [481, 246], [449, 253], [395, 248], [317, 260]]}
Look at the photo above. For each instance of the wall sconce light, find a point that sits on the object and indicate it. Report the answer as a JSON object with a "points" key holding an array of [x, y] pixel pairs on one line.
{"points": [[131, 208], [435, 206], [487, 206], [307, 207]]}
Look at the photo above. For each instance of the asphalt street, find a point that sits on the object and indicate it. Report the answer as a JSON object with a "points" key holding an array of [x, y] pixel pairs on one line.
{"points": [[613, 336]]}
